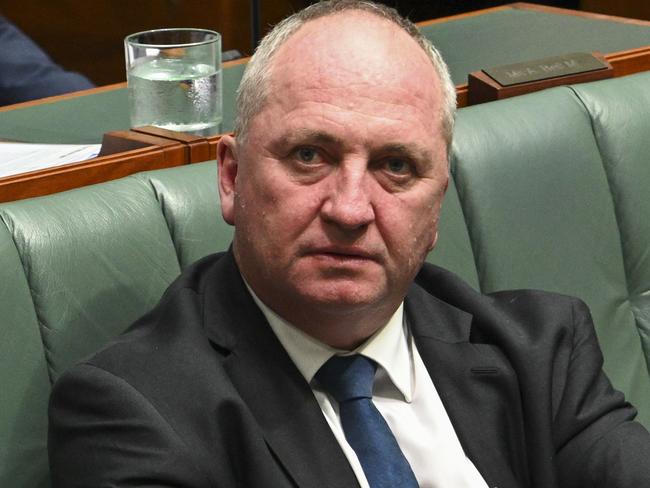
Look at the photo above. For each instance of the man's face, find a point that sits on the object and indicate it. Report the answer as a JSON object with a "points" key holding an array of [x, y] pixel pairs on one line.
{"points": [[335, 192]]}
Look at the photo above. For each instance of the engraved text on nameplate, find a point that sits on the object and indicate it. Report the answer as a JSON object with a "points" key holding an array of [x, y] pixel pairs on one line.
{"points": [[542, 69]]}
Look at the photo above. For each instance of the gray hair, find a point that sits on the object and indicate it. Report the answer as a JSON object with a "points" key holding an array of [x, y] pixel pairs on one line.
{"points": [[254, 86]]}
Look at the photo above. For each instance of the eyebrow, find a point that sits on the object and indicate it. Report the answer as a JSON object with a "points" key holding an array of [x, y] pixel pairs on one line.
{"points": [[306, 136]]}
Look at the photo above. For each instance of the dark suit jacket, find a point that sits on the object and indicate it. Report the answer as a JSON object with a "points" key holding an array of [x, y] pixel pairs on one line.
{"points": [[27, 73], [200, 393]]}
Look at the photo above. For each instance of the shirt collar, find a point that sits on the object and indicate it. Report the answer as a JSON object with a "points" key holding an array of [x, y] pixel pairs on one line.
{"points": [[389, 347]]}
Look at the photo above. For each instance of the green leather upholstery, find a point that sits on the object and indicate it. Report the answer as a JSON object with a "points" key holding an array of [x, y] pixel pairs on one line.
{"points": [[197, 230], [454, 249], [624, 144], [546, 209], [24, 376], [94, 260], [549, 191]]}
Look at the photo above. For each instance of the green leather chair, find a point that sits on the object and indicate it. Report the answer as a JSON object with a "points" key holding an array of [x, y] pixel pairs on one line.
{"points": [[549, 191]]}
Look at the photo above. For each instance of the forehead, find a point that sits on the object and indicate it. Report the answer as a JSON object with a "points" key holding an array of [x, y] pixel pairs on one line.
{"points": [[352, 70], [354, 51]]}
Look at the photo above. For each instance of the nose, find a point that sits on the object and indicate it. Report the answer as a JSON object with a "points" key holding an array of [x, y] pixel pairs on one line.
{"points": [[348, 204]]}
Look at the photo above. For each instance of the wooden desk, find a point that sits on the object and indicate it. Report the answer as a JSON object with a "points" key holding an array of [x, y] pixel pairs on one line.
{"points": [[93, 116], [122, 153], [522, 32], [469, 42]]}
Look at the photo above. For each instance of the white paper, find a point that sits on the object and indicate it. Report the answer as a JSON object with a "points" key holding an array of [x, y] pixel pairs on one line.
{"points": [[19, 157]]}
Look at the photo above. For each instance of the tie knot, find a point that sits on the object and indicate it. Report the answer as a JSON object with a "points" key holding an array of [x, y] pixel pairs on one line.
{"points": [[347, 377]]}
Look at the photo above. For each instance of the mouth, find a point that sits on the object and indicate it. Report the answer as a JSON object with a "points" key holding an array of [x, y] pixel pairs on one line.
{"points": [[342, 254]]}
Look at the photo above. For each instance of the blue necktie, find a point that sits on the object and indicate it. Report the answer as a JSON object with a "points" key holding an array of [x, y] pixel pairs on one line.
{"points": [[349, 380]]}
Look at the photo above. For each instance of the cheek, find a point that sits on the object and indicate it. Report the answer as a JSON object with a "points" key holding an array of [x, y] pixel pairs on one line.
{"points": [[409, 227], [276, 207], [258, 190], [431, 219]]}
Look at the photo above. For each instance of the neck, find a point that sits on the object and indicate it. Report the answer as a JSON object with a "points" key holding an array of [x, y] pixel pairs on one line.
{"points": [[341, 330], [340, 324]]}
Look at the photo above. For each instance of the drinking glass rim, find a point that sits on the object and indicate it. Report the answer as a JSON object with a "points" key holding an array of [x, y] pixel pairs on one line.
{"points": [[216, 35]]}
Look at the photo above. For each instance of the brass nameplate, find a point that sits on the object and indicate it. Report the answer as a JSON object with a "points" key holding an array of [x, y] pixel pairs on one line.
{"points": [[543, 69]]}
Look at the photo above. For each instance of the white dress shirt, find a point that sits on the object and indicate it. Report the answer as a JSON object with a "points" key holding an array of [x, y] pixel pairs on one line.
{"points": [[403, 393]]}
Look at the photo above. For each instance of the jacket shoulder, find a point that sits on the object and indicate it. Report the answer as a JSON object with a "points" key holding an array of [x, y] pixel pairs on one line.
{"points": [[517, 311], [450, 287]]}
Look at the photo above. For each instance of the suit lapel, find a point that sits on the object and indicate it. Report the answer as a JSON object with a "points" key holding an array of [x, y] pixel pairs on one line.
{"points": [[475, 381], [477, 387], [270, 385]]}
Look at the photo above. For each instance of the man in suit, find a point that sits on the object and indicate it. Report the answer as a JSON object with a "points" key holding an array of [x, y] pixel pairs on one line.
{"points": [[27, 73], [319, 351]]}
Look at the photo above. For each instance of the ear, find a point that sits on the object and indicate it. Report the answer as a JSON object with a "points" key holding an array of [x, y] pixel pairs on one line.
{"points": [[433, 242], [227, 164]]}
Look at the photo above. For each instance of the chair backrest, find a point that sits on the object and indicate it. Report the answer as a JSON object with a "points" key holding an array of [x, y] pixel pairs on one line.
{"points": [[553, 190], [549, 191]]}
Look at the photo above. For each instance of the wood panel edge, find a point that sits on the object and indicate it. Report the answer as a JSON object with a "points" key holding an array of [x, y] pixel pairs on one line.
{"points": [[93, 171], [630, 62], [64, 96]]}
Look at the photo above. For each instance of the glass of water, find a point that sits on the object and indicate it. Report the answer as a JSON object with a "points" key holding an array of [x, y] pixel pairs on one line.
{"points": [[174, 79]]}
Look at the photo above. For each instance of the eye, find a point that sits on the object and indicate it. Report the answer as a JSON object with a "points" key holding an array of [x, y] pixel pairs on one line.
{"points": [[307, 155], [396, 172], [398, 166]]}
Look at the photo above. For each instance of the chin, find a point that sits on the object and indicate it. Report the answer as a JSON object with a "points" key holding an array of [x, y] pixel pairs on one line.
{"points": [[348, 296]]}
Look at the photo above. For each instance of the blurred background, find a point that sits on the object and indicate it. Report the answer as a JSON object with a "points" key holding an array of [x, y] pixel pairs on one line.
{"points": [[87, 36]]}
